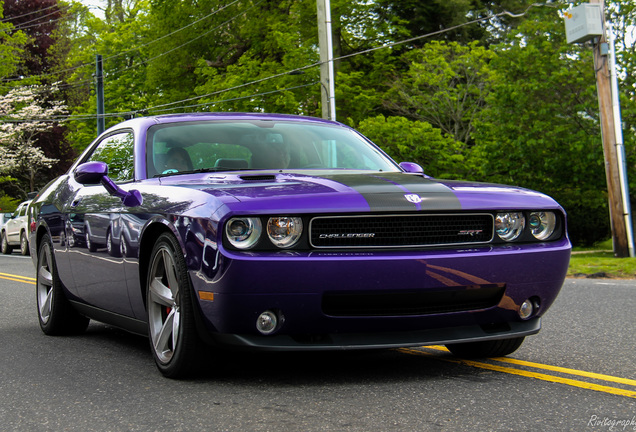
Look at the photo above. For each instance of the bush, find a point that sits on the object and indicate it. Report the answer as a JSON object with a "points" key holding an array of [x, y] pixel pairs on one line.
{"points": [[8, 204]]}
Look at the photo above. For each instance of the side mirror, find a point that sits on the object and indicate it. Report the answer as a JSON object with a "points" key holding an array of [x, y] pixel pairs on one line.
{"points": [[91, 173], [413, 168]]}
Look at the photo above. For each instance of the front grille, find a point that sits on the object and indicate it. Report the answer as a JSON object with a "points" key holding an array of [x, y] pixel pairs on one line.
{"points": [[412, 303], [400, 230]]}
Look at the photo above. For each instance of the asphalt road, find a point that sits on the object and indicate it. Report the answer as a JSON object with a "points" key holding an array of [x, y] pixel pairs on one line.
{"points": [[105, 380]]}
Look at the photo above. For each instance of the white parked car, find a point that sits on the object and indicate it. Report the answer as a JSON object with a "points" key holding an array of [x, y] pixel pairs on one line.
{"points": [[15, 232]]}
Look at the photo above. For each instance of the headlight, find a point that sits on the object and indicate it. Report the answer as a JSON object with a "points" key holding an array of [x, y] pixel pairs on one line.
{"points": [[509, 226], [284, 231], [542, 224], [243, 232]]}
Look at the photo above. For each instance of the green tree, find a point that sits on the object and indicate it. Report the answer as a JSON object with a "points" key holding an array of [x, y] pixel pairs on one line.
{"points": [[11, 48], [540, 125], [117, 38], [411, 18], [446, 84]]}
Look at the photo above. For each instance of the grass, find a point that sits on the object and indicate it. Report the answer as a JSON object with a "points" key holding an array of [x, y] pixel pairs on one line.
{"points": [[599, 261]]}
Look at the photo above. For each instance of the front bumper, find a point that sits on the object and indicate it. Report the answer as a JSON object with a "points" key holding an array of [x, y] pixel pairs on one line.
{"points": [[351, 341], [240, 286]]}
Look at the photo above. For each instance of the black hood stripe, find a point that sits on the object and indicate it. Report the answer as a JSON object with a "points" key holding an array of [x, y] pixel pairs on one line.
{"points": [[388, 191]]}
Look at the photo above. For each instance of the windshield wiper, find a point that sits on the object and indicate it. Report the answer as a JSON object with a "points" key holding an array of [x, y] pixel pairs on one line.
{"points": [[168, 173]]}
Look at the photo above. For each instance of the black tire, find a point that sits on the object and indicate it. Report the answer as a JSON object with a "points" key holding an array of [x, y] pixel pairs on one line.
{"points": [[4, 244], [55, 313], [24, 244], [493, 348], [170, 306], [123, 249], [89, 244], [110, 246]]}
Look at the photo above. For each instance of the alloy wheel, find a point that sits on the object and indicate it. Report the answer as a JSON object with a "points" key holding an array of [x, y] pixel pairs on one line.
{"points": [[44, 285], [164, 315]]}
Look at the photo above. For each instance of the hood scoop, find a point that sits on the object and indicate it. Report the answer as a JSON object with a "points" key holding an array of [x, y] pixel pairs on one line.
{"points": [[258, 177]]}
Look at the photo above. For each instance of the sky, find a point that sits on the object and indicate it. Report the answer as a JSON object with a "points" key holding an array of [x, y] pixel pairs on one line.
{"points": [[94, 6]]}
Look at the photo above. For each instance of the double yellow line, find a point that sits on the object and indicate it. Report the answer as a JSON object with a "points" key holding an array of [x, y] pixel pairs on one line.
{"points": [[494, 366], [16, 278]]}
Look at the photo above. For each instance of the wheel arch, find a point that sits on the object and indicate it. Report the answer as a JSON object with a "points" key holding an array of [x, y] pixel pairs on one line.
{"points": [[149, 236], [41, 231]]}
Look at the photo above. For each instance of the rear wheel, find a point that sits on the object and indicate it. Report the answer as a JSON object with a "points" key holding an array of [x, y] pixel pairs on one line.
{"points": [[55, 313], [4, 244], [494, 348], [171, 327]]}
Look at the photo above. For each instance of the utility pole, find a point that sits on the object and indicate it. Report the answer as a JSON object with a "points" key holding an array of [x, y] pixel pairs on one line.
{"points": [[620, 147], [608, 132], [327, 81], [583, 23], [99, 92]]}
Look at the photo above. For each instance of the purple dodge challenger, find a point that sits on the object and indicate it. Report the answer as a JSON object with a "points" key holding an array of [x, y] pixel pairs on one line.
{"points": [[280, 232]]}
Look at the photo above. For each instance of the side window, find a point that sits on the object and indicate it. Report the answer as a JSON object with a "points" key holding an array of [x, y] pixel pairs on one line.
{"points": [[117, 151]]}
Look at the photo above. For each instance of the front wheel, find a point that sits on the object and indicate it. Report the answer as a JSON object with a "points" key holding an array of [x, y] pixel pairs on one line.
{"points": [[24, 244], [171, 327], [484, 349], [55, 313], [110, 245], [89, 244]]}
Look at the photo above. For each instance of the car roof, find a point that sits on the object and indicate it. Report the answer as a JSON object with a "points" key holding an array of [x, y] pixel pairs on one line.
{"points": [[226, 116]]}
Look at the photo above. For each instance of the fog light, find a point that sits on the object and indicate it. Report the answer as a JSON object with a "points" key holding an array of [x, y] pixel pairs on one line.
{"points": [[266, 322], [527, 309]]}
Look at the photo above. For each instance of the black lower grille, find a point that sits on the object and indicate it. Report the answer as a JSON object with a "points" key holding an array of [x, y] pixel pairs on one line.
{"points": [[412, 303], [400, 230]]}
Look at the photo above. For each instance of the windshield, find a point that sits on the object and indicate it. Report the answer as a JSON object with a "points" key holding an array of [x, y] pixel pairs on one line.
{"points": [[241, 145]]}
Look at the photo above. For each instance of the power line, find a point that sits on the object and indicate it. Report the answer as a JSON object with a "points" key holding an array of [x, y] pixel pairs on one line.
{"points": [[29, 13], [23, 26], [390, 45], [188, 42], [174, 32], [139, 47], [236, 98], [86, 117]]}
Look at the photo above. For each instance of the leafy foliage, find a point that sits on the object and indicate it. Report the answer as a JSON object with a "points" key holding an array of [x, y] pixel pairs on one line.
{"points": [[416, 141], [11, 48], [7, 204], [445, 84], [39, 28]]}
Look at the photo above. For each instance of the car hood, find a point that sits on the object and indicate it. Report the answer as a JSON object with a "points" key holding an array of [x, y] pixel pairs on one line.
{"points": [[325, 191]]}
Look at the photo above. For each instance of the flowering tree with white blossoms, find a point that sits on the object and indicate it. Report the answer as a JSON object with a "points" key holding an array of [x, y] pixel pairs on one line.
{"points": [[24, 114]]}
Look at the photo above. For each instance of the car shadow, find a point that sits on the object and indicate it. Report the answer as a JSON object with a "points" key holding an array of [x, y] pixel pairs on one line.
{"points": [[251, 368]]}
